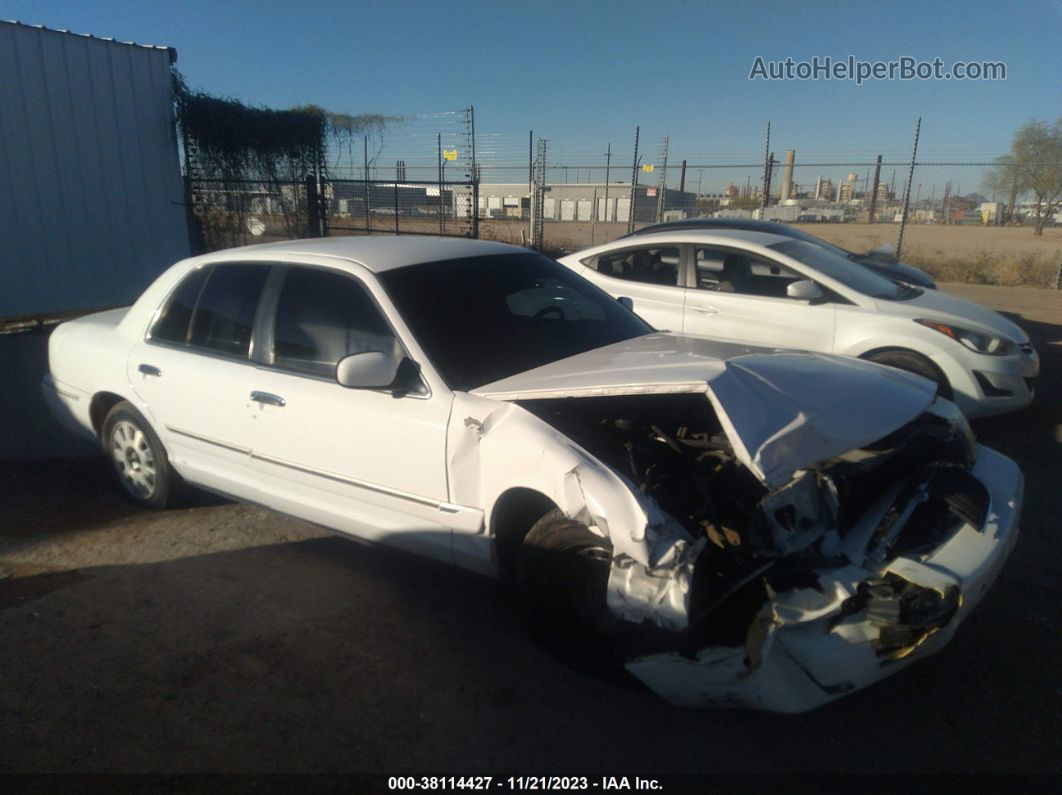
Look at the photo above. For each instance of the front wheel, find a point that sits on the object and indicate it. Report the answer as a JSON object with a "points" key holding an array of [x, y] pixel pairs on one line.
{"points": [[914, 363], [562, 583], [138, 457]]}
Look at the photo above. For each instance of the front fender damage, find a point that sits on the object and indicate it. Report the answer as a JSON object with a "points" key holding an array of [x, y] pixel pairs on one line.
{"points": [[779, 598]]}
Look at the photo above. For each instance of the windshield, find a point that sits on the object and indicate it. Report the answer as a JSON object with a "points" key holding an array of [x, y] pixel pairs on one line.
{"points": [[799, 234], [839, 268], [485, 318]]}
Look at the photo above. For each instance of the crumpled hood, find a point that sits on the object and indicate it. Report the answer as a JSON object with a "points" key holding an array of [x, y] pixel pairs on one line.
{"points": [[782, 411], [945, 308]]}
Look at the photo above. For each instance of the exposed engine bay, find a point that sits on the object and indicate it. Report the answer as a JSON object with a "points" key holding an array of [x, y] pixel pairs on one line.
{"points": [[904, 494]]}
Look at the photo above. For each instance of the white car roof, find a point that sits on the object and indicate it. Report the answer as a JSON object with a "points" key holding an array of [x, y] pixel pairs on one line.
{"points": [[705, 236], [378, 254]]}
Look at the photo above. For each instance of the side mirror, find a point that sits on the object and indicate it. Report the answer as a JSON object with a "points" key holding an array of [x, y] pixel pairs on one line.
{"points": [[368, 370], [804, 290], [885, 253], [627, 302]]}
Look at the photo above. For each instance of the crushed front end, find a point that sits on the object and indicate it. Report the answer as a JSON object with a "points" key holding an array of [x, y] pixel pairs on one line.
{"points": [[831, 580]]}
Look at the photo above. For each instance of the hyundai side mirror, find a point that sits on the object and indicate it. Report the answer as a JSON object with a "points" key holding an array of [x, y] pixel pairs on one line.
{"points": [[627, 302], [367, 370], [804, 290]]}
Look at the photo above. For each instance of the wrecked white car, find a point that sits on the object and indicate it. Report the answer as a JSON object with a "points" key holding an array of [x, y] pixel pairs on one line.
{"points": [[735, 526]]}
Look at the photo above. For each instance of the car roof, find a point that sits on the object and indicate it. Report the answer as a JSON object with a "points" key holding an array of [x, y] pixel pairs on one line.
{"points": [[693, 235], [378, 253], [749, 224]]}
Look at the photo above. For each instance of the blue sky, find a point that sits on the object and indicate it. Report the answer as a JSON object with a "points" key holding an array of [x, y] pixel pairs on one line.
{"points": [[585, 73]]}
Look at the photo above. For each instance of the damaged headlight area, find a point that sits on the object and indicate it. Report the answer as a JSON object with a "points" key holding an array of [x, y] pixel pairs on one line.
{"points": [[797, 570], [904, 613]]}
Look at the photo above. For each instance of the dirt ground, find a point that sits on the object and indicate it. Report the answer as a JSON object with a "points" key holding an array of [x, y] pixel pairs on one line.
{"points": [[225, 638]]}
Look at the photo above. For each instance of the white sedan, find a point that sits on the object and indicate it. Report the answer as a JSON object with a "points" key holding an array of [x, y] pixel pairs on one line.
{"points": [[767, 289], [735, 526]]}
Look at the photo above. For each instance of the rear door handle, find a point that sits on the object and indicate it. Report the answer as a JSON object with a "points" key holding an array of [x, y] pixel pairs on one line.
{"points": [[150, 369], [268, 398]]}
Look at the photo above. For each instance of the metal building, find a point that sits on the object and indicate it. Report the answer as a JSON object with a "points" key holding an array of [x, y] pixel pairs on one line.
{"points": [[91, 199]]}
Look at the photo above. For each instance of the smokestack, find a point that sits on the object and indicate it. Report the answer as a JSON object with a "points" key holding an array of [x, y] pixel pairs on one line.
{"points": [[787, 175]]}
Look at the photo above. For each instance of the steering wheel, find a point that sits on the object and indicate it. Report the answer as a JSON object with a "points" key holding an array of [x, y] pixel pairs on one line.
{"points": [[548, 309]]}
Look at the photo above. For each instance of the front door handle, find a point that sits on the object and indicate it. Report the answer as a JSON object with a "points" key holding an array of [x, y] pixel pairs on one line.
{"points": [[150, 369], [705, 310], [268, 398]]}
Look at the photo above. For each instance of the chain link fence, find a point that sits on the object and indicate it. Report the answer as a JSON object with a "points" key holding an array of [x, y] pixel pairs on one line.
{"points": [[432, 174], [960, 222]]}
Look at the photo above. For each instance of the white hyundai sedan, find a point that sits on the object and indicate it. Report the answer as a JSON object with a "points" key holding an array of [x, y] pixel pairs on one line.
{"points": [[735, 526], [766, 289]]}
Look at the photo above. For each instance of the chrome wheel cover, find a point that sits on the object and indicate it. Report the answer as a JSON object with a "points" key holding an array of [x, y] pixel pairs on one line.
{"points": [[134, 459]]}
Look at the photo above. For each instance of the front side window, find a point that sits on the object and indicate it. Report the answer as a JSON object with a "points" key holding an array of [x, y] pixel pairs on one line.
{"points": [[849, 274], [728, 271], [213, 309], [648, 265], [323, 316]]}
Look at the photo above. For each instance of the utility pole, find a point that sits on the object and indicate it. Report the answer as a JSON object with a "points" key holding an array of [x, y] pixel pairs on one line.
{"points": [[438, 143], [608, 165], [768, 178], [907, 190], [768, 158], [365, 175], [474, 198], [634, 182], [530, 160], [874, 190], [662, 189]]}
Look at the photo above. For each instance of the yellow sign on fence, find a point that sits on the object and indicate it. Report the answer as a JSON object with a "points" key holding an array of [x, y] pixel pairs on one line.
{"points": [[449, 154], [647, 168]]}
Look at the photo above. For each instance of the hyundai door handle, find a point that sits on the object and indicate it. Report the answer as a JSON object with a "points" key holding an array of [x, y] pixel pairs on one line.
{"points": [[150, 369], [268, 398], [705, 310]]}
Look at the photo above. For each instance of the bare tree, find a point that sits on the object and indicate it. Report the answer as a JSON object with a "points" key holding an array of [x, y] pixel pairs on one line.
{"points": [[1034, 165]]}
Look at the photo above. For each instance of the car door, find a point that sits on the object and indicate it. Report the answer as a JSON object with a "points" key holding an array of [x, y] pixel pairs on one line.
{"points": [[192, 373], [757, 311], [647, 274], [371, 463]]}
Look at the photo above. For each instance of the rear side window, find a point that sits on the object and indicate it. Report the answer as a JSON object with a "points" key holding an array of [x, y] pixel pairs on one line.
{"points": [[173, 320], [214, 309], [649, 265], [224, 316], [323, 316]]}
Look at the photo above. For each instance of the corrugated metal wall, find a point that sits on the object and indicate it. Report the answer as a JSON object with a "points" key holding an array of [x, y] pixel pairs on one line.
{"points": [[90, 186]]}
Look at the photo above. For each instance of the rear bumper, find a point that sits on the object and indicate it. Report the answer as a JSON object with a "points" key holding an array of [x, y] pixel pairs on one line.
{"points": [[810, 652]]}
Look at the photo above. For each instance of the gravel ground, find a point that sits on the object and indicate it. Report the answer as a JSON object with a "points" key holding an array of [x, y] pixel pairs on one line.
{"points": [[226, 638]]}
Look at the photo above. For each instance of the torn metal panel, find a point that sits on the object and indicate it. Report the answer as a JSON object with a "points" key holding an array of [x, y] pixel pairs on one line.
{"points": [[525, 452], [858, 626], [660, 594]]}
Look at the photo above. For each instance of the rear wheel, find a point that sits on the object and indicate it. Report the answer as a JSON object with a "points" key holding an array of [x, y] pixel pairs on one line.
{"points": [[914, 363], [138, 457]]}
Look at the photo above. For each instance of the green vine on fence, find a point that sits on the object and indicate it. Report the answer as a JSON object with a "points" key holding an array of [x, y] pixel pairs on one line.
{"points": [[226, 139], [228, 144]]}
